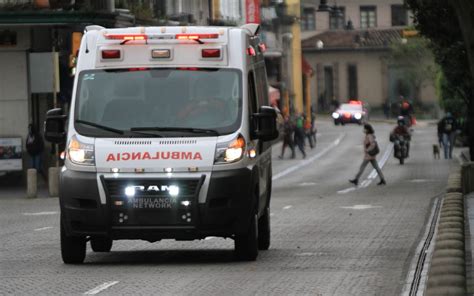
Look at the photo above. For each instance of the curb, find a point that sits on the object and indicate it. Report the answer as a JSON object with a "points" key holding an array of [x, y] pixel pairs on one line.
{"points": [[447, 272]]}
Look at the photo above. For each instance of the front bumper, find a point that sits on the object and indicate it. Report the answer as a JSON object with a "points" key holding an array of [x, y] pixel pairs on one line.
{"points": [[154, 215]]}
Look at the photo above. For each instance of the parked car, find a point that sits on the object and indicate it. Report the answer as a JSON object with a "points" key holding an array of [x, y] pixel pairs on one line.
{"points": [[351, 112]]}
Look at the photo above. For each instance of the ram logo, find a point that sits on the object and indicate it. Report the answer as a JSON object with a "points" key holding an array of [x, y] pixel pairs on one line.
{"points": [[172, 189]]}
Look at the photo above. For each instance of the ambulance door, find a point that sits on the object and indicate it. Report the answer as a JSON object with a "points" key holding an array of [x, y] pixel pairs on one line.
{"points": [[263, 148]]}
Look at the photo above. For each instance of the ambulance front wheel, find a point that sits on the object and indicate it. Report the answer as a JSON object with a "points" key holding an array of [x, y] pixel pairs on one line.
{"points": [[73, 249], [246, 245], [101, 244], [264, 230]]}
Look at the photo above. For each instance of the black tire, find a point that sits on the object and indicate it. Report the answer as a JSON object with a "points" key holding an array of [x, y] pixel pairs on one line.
{"points": [[402, 160], [73, 249], [264, 230], [336, 123], [246, 245], [101, 244]]}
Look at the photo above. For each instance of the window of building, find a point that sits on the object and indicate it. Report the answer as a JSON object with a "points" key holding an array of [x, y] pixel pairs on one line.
{"points": [[352, 81], [337, 19], [399, 15], [308, 19], [368, 17]]}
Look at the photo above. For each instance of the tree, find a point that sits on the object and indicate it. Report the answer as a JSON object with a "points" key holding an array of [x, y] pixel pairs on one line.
{"points": [[415, 60], [449, 27]]}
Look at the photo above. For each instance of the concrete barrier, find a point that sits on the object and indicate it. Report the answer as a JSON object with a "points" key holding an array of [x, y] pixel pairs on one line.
{"points": [[447, 273], [31, 183]]}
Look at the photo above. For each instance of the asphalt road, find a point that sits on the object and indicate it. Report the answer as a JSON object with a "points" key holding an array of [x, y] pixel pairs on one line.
{"points": [[328, 237]]}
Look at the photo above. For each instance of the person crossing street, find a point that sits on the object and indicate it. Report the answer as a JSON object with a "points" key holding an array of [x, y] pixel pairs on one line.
{"points": [[370, 151]]}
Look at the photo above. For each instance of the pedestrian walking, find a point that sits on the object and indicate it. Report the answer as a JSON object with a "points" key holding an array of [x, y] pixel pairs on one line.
{"points": [[300, 134], [308, 133], [370, 151], [288, 130], [34, 147], [448, 127]]}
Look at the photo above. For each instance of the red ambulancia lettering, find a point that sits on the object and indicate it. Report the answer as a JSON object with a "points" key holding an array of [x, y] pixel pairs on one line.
{"points": [[136, 155], [110, 157], [177, 155], [186, 155]]}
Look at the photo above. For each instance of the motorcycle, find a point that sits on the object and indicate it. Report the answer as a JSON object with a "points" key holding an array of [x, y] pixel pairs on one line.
{"points": [[400, 147]]}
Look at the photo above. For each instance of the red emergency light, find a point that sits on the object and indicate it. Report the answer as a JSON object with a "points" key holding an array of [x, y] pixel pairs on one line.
{"points": [[111, 54], [211, 53], [251, 51], [196, 36], [354, 102], [126, 36]]}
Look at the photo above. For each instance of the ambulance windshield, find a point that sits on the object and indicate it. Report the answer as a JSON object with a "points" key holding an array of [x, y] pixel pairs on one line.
{"points": [[174, 101]]}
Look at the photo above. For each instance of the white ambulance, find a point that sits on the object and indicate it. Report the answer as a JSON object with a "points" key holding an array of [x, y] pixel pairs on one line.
{"points": [[168, 136]]}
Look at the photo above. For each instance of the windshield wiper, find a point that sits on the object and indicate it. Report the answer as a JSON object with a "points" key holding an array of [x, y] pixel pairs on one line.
{"points": [[176, 129], [103, 127]]}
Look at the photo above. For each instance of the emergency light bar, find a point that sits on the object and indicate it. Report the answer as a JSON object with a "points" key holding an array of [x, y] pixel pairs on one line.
{"points": [[196, 36], [126, 36], [129, 37]]}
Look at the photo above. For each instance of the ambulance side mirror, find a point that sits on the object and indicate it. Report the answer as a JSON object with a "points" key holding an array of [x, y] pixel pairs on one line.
{"points": [[265, 124], [54, 126]]}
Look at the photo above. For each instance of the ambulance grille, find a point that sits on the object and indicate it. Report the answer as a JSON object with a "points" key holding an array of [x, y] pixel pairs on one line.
{"points": [[116, 187], [132, 142], [177, 142]]}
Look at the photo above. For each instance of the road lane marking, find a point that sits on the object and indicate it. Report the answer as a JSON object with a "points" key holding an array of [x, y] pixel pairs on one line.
{"points": [[373, 173], [420, 180], [307, 161], [304, 184], [100, 288], [347, 190], [287, 207], [43, 228], [361, 207], [40, 214]]}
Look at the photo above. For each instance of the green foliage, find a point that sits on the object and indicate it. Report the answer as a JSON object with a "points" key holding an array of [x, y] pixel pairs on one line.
{"points": [[450, 97], [438, 22], [415, 59]]}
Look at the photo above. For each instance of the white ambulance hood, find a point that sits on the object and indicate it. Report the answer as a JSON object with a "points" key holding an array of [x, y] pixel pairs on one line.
{"points": [[155, 155]]}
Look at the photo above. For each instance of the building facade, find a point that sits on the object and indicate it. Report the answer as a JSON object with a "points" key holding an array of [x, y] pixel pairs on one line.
{"points": [[349, 43]]}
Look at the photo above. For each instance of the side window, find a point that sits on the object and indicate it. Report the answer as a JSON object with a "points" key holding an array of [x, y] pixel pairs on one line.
{"points": [[252, 97], [261, 84]]}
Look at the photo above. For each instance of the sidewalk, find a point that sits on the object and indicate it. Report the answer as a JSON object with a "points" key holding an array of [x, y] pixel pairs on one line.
{"points": [[14, 186]]}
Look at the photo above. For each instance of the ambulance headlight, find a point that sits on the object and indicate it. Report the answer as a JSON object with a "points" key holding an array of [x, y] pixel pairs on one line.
{"points": [[357, 116], [80, 153], [230, 152], [174, 190], [335, 115]]}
